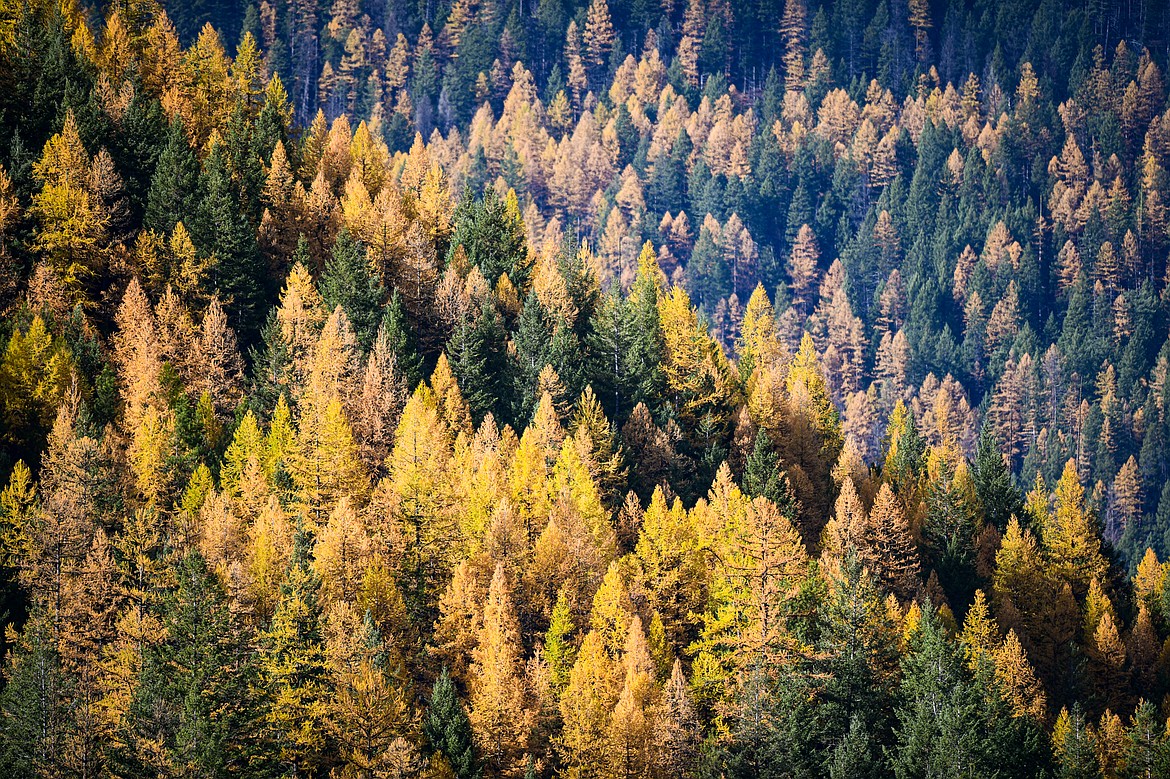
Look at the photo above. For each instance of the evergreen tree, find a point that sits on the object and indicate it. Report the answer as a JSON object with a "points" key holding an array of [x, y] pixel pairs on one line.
{"points": [[448, 730], [35, 703], [220, 228], [762, 477], [939, 728], [478, 359], [349, 281], [401, 337], [993, 484], [174, 186], [194, 710], [491, 232]]}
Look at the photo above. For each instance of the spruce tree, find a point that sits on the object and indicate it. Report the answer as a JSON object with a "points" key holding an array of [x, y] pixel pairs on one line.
{"points": [[194, 697], [448, 730], [401, 337], [220, 228], [492, 234], [478, 354], [993, 483], [533, 341], [174, 185], [349, 281], [35, 703], [938, 730], [762, 477]]}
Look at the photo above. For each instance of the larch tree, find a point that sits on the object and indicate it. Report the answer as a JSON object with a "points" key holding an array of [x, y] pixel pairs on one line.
{"points": [[760, 563], [631, 728], [420, 501], [599, 35], [499, 715], [371, 715], [895, 563], [794, 32], [802, 265], [1071, 545], [71, 223], [456, 631], [293, 666], [586, 707], [677, 728], [1018, 681]]}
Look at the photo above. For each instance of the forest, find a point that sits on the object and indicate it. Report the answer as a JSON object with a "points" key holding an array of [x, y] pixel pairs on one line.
{"points": [[599, 389]]}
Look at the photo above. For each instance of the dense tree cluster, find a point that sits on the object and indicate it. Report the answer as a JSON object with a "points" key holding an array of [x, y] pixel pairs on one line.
{"points": [[488, 389]]}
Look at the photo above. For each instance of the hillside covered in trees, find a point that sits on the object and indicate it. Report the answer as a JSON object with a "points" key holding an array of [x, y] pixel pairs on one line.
{"points": [[582, 389]]}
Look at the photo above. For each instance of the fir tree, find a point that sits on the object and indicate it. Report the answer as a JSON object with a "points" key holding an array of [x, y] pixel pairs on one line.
{"points": [[993, 484], [401, 337], [220, 228]]}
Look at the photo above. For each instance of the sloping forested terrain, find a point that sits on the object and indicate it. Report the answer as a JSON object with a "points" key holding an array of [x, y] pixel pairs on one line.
{"points": [[563, 388]]}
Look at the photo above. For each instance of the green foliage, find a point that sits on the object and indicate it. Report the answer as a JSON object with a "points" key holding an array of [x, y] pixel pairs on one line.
{"points": [[194, 709], [349, 281], [448, 731], [492, 235]]}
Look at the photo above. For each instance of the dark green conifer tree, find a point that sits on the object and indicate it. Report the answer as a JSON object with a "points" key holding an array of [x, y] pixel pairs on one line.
{"points": [[997, 494], [448, 730], [195, 702], [401, 337], [350, 282], [173, 187], [220, 228], [478, 355]]}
